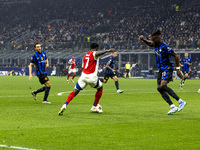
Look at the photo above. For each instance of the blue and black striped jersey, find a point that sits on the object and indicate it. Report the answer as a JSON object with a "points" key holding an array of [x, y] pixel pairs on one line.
{"points": [[39, 59], [184, 61], [112, 65], [163, 56]]}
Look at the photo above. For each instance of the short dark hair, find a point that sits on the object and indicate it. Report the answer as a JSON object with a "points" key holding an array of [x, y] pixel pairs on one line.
{"points": [[35, 45], [94, 45], [157, 33]]}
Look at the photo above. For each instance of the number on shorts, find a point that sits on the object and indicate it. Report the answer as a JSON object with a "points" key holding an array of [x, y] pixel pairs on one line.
{"points": [[87, 62]]}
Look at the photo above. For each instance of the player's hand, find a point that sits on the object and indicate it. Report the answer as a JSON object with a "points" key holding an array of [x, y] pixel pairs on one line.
{"points": [[141, 37], [47, 65], [111, 50], [181, 65], [178, 72], [30, 77], [113, 70]]}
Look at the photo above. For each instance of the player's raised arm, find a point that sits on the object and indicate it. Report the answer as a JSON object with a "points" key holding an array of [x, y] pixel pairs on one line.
{"points": [[177, 61], [148, 42], [97, 54], [30, 71]]}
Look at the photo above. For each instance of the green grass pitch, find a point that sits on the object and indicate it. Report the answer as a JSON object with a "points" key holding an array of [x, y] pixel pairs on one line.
{"points": [[136, 119]]}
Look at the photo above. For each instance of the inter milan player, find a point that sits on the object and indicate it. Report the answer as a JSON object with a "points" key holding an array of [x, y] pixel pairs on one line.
{"points": [[89, 77], [163, 55], [71, 69], [40, 60], [110, 72], [185, 63]]}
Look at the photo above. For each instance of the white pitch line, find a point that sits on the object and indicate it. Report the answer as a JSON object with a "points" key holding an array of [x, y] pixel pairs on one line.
{"points": [[15, 147], [59, 94]]}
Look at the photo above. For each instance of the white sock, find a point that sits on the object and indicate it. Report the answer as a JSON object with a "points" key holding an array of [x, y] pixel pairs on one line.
{"points": [[172, 105], [180, 100]]}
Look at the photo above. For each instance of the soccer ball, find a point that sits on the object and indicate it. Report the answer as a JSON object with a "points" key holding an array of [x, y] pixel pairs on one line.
{"points": [[199, 91]]}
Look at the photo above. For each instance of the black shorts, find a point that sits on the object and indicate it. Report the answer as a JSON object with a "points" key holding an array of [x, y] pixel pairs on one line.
{"points": [[111, 75], [165, 75], [127, 70], [43, 78]]}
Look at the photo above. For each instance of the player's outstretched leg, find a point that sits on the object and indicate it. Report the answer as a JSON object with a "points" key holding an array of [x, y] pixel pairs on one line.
{"points": [[181, 102], [168, 100], [96, 107], [34, 93], [69, 98]]}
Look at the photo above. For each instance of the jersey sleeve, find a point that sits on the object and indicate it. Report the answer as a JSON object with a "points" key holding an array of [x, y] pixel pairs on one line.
{"points": [[110, 61], [33, 59], [95, 56], [169, 49]]}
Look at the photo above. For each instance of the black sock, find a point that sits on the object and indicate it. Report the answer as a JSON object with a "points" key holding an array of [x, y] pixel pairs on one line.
{"points": [[170, 92], [117, 85], [46, 94], [165, 96], [184, 79], [40, 90], [101, 79]]}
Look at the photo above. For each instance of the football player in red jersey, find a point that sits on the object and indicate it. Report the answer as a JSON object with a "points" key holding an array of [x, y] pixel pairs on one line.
{"points": [[89, 77], [71, 69]]}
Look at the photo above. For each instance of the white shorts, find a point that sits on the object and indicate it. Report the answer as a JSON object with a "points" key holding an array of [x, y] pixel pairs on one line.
{"points": [[86, 79], [71, 71]]}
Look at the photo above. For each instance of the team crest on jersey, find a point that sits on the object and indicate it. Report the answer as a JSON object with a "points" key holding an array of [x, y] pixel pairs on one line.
{"points": [[160, 50], [42, 58]]}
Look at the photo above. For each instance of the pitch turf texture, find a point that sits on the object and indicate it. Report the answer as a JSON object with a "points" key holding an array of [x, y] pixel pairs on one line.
{"points": [[136, 119]]}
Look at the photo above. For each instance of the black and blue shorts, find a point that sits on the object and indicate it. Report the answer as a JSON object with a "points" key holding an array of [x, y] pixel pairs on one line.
{"points": [[110, 75], [166, 75]]}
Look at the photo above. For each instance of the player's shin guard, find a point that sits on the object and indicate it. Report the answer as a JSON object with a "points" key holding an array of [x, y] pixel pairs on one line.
{"points": [[170, 92], [73, 77], [117, 85], [40, 90], [165, 96], [97, 96], [46, 94], [68, 77], [70, 97]]}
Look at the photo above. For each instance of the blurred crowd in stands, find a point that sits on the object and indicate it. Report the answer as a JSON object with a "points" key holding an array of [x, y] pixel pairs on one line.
{"points": [[67, 24]]}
